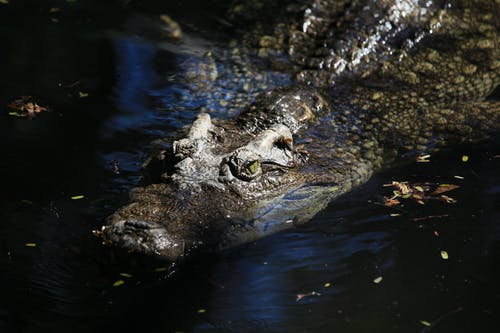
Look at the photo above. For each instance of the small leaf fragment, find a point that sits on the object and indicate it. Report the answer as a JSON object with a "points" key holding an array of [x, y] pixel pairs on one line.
{"points": [[391, 202], [118, 283], [126, 275], [15, 114], [202, 311], [459, 177], [327, 285], [465, 158], [447, 199], [298, 297], [30, 244], [423, 158], [444, 255], [377, 279], [82, 94], [419, 188], [77, 197], [425, 323], [442, 188], [161, 269]]}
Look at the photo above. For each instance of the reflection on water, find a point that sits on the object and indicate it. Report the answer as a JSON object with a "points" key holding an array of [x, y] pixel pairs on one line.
{"points": [[94, 146]]}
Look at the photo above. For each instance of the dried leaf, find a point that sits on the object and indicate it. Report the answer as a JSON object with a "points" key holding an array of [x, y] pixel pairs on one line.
{"points": [[126, 275], [15, 114], [444, 255], [447, 199], [419, 188], [402, 187], [389, 202], [118, 283], [423, 158], [442, 188]]}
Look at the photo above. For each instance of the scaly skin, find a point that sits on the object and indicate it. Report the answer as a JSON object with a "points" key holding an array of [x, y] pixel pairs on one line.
{"points": [[389, 77]]}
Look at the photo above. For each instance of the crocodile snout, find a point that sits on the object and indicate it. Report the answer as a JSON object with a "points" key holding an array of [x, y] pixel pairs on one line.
{"points": [[143, 237]]}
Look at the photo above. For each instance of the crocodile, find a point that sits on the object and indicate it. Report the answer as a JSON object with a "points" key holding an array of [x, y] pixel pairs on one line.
{"points": [[374, 81]]}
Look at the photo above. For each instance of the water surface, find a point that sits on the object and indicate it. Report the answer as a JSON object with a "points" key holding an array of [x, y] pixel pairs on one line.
{"points": [[113, 87]]}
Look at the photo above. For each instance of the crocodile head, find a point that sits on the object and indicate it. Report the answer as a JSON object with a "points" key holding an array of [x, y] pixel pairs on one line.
{"points": [[231, 182]]}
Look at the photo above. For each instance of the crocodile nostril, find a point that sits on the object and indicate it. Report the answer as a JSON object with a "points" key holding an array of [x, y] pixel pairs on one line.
{"points": [[284, 143]]}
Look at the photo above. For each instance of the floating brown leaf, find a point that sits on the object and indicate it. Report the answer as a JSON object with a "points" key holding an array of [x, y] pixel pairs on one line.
{"points": [[389, 202], [442, 188]]}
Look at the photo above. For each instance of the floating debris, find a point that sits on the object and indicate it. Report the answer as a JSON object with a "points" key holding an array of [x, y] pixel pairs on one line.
{"points": [[77, 197], [171, 28], [447, 199], [327, 285], [25, 106], [30, 244], [201, 311], [423, 158], [126, 275], [389, 202], [442, 188], [425, 323], [301, 296], [418, 192], [444, 255], [465, 158], [418, 219], [377, 280], [118, 283]]}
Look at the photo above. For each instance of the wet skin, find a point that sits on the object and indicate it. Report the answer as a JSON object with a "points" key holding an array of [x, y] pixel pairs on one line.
{"points": [[375, 80]]}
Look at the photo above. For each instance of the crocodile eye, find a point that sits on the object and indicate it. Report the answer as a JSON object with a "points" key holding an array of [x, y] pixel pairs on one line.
{"points": [[253, 167]]}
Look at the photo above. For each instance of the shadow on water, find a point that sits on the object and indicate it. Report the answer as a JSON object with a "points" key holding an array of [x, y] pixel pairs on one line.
{"points": [[56, 277]]}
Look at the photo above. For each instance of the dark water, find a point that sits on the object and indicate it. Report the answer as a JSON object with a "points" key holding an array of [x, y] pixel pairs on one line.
{"points": [[94, 146]]}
